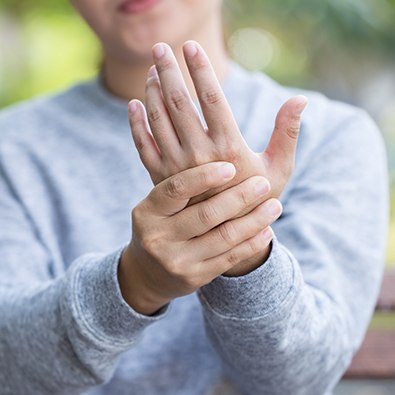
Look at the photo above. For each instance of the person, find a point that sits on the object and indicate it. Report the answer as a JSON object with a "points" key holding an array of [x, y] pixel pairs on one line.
{"points": [[219, 288]]}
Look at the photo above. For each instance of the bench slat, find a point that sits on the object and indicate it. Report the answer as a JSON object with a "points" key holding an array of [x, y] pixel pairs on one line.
{"points": [[376, 357], [387, 294]]}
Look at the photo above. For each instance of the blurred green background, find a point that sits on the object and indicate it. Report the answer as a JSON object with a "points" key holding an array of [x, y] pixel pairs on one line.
{"points": [[345, 48]]}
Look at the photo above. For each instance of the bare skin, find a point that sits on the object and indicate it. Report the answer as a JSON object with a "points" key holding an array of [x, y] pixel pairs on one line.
{"points": [[158, 264], [176, 249], [179, 141], [151, 273], [127, 39]]}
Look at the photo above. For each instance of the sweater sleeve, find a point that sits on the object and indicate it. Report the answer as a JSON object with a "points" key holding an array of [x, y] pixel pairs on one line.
{"points": [[57, 335], [293, 324]]}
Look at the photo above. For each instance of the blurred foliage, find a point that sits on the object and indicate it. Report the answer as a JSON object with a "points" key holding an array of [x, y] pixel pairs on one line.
{"points": [[46, 47], [346, 21], [308, 32], [344, 48], [316, 37], [384, 321]]}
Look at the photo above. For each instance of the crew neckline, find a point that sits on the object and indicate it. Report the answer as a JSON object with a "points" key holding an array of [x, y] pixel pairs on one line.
{"points": [[121, 104]]}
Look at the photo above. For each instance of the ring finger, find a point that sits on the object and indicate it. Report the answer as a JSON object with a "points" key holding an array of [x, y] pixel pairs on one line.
{"points": [[231, 233], [254, 246], [202, 217], [159, 120]]}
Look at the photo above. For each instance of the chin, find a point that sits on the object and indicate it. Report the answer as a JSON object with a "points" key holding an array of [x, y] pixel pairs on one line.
{"points": [[135, 35], [133, 44]]}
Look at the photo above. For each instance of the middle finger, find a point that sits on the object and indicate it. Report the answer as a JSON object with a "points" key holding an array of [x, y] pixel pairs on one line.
{"points": [[231, 233], [199, 218], [181, 108], [160, 123]]}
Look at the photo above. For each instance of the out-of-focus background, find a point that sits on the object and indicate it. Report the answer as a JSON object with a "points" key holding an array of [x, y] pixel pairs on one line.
{"points": [[344, 48]]}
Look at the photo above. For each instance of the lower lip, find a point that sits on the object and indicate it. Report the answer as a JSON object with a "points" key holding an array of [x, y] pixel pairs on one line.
{"points": [[136, 6]]}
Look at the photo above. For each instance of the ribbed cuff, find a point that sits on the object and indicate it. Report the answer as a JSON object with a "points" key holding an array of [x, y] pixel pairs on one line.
{"points": [[96, 303], [256, 294]]}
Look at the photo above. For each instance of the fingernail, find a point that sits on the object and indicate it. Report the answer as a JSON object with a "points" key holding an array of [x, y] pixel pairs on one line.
{"points": [[152, 72], [133, 106], [159, 50], [302, 103], [227, 170], [261, 188], [267, 234], [274, 207], [190, 49]]}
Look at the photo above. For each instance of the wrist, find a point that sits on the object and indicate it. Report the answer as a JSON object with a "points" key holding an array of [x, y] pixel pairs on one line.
{"points": [[133, 288], [247, 266]]}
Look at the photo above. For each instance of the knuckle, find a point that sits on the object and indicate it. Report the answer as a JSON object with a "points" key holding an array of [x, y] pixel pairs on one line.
{"points": [[199, 64], [230, 150], [243, 196], [295, 119], [232, 258], [178, 99], [205, 178], [211, 97], [173, 266], [140, 144], [137, 123], [254, 247], [137, 214], [206, 214], [178, 271], [228, 233], [153, 114], [293, 131], [164, 65], [152, 83], [175, 187], [198, 157], [149, 244], [173, 166]]}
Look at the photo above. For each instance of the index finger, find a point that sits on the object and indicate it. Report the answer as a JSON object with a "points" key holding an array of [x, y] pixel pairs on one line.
{"points": [[173, 194], [215, 107]]}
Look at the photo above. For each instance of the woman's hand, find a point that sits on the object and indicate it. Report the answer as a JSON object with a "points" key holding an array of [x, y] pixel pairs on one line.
{"points": [[176, 249], [170, 136], [179, 140]]}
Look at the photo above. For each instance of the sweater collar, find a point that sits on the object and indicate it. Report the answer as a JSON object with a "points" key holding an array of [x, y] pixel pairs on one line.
{"points": [[118, 104]]}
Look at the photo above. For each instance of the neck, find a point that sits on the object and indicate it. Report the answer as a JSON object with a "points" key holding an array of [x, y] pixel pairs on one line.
{"points": [[126, 79]]}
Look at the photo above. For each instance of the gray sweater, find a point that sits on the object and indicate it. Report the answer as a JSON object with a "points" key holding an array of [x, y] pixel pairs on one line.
{"points": [[69, 177]]}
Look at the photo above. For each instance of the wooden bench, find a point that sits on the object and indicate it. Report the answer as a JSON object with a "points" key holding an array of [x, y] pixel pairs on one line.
{"points": [[376, 357]]}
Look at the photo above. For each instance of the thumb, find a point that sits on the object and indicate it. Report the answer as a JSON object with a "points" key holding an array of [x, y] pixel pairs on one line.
{"points": [[281, 149], [172, 195]]}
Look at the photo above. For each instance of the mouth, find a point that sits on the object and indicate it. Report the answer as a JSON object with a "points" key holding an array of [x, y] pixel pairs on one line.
{"points": [[137, 6]]}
